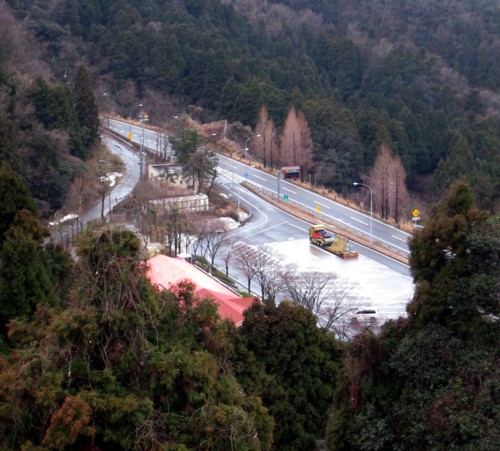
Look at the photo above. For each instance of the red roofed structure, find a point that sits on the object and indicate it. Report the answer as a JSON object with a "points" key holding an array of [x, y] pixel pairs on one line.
{"points": [[166, 271]]}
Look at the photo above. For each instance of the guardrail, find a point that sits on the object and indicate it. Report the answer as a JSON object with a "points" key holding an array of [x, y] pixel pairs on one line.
{"points": [[321, 217]]}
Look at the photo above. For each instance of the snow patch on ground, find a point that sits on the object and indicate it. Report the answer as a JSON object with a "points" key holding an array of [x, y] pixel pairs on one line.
{"points": [[111, 178], [373, 283]]}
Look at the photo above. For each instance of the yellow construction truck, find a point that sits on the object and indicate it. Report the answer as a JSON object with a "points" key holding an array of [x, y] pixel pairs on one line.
{"points": [[335, 244]]}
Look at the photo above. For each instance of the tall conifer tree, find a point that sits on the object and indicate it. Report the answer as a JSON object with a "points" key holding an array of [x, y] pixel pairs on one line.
{"points": [[86, 107]]}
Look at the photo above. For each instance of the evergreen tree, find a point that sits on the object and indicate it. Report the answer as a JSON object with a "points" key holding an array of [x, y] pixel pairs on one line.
{"points": [[86, 107], [416, 385], [440, 263], [54, 109], [14, 196], [9, 144], [24, 279], [287, 360], [125, 367]]}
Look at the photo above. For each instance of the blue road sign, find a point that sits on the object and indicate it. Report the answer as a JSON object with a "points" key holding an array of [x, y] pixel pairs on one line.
{"points": [[246, 174], [285, 197]]}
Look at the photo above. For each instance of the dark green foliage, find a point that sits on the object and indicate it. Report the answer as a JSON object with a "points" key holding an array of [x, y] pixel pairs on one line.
{"points": [[14, 196], [54, 109], [50, 173], [24, 278], [9, 144], [431, 381], [440, 262], [390, 64], [186, 145], [125, 367], [284, 358], [86, 108]]}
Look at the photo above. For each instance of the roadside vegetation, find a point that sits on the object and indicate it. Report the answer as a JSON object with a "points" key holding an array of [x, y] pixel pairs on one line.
{"points": [[92, 356]]}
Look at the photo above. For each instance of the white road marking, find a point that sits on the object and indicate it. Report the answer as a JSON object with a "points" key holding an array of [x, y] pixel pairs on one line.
{"points": [[302, 229], [323, 205], [355, 219], [257, 177], [231, 166], [400, 239], [264, 230], [293, 192]]}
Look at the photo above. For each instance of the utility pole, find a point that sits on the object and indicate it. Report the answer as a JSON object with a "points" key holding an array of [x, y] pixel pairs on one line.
{"points": [[278, 176]]}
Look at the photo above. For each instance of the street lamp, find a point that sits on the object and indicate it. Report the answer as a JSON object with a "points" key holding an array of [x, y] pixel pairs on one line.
{"points": [[130, 116], [106, 96], [141, 149], [246, 144], [371, 207]]}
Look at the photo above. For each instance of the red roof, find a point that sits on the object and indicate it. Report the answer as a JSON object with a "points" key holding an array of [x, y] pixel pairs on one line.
{"points": [[165, 271]]}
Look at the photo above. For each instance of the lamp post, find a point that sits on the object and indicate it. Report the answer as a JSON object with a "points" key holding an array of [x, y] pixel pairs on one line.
{"points": [[141, 149], [130, 116], [106, 96], [371, 207], [246, 144]]}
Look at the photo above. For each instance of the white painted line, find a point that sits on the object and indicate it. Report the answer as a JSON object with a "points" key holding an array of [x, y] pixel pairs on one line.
{"points": [[323, 205], [231, 166], [355, 219], [293, 192], [264, 230], [400, 239], [334, 219], [257, 177], [302, 229]]}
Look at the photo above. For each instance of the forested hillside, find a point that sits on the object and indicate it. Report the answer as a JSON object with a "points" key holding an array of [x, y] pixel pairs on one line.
{"points": [[420, 77], [92, 356]]}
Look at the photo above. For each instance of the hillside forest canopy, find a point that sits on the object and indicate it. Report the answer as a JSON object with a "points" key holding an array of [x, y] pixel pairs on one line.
{"points": [[92, 356], [420, 78]]}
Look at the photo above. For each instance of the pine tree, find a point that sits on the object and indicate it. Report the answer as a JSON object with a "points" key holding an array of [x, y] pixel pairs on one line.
{"points": [[86, 107]]}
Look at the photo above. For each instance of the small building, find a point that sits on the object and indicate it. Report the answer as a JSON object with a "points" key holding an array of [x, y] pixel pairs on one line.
{"points": [[291, 172], [166, 271], [192, 203]]}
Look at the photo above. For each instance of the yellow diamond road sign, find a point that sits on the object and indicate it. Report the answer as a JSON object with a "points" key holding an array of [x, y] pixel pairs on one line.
{"points": [[415, 213], [318, 208]]}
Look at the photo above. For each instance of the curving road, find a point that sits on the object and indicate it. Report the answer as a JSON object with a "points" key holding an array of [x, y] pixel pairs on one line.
{"points": [[378, 280], [123, 187], [323, 207]]}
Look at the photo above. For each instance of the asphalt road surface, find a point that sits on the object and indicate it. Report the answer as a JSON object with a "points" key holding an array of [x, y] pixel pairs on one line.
{"points": [[376, 280]]}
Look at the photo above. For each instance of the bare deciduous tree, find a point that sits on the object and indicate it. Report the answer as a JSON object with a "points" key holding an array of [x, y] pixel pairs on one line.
{"points": [[290, 139], [214, 240], [325, 295], [388, 182], [229, 252], [296, 146], [305, 144], [398, 196], [266, 147], [270, 274], [79, 194], [246, 262]]}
